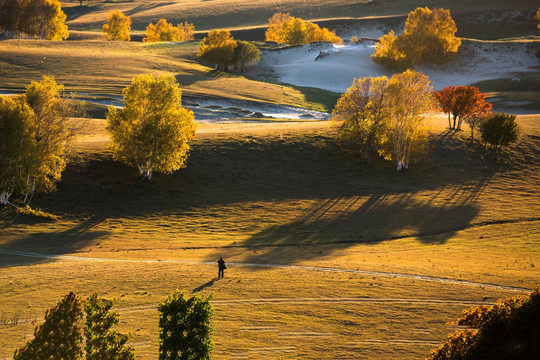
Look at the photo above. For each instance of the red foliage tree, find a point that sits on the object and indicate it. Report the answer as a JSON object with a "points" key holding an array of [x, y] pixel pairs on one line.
{"points": [[462, 102]]}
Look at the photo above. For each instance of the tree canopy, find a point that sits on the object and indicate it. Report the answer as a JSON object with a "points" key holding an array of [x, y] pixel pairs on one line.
{"points": [[499, 130], [218, 48], [153, 130], [509, 329], [163, 31], [185, 327], [429, 37], [117, 27], [462, 102], [286, 29], [245, 54], [33, 18], [388, 114]]}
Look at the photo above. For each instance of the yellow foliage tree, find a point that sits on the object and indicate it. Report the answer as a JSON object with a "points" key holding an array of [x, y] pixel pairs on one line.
{"points": [[218, 48], [429, 36], [286, 29], [163, 31], [153, 130], [118, 26], [42, 19]]}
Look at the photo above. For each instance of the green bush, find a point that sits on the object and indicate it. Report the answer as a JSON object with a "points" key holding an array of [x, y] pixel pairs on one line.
{"points": [[499, 130]]}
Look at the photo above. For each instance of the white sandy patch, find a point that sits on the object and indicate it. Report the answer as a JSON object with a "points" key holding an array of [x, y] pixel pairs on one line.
{"points": [[333, 67]]}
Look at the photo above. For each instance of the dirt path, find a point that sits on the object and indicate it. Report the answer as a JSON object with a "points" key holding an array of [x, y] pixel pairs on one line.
{"points": [[278, 266]]}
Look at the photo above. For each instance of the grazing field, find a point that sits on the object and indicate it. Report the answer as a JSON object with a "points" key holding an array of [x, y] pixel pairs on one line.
{"points": [[327, 258]]}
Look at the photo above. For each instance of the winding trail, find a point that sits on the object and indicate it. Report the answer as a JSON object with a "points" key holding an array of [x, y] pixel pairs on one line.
{"points": [[273, 266]]}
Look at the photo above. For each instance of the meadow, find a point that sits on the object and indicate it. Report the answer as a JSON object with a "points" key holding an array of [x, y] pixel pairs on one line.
{"points": [[327, 258]]}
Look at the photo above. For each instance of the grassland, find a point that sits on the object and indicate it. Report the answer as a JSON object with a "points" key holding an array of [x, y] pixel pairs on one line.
{"points": [[281, 194]]}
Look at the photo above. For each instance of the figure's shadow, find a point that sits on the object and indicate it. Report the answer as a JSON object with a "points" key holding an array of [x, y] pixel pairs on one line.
{"points": [[204, 286]]}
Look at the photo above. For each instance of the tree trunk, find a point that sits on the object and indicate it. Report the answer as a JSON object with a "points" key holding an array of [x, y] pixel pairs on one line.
{"points": [[4, 197], [455, 118], [449, 123]]}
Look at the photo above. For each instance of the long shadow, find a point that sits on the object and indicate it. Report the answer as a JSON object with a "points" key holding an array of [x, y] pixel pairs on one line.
{"points": [[204, 286], [52, 243]]}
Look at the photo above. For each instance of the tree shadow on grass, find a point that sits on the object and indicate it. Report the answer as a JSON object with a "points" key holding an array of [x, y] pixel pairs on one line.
{"points": [[204, 286], [50, 243]]}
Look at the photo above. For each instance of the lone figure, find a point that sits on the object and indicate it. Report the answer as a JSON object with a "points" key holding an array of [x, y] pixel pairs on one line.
{"points": [[221, 267]]}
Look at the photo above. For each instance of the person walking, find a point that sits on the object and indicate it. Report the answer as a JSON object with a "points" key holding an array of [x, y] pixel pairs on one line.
{"points": [[221, 267]]}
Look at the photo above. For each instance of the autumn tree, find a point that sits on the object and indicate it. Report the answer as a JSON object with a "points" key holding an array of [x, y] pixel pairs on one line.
{"points": [[245, 54], [510, 329], [218, 48], [42, 19], [118, 26], [538, 18], [429, 37], [185, 327], [499, 130], [462, 102], [409, 100], [360, 115], [53, 132], [60, 336], [286, 29], [17, 145], [163, 31], [101, 341], [153, 130]]}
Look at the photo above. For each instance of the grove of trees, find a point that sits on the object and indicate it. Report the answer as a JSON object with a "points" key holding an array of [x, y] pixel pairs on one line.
{"points": [[387, 115], [429, 37], [117, 27], [163, 31], [286, 29], [42, 19], [245, 54], [185, 329], [153, 130], [218, 48], [34, 141], [463, 103], [510, 329]]}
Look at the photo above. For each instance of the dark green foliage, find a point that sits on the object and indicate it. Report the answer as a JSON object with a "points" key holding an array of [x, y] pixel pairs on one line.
{"points": [[102, 343], [60, 337], [185, 327], [499, 130], [245, 54], [508, 330]]}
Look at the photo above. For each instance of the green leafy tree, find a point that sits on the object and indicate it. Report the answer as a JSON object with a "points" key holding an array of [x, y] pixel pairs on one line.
{"points": [[360, 115], [185, 327], [101, 341], [499, 130], [53, 134], [510, 329], [218, 48], [117, 27], [429, 37], [245, 54], [17, 145], [60, 336], [153, 130]]}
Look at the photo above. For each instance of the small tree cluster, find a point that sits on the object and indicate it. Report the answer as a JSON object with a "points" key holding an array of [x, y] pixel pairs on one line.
{"points": [[221, 49], [464, 103], [429, 36], [61, 335], [42, 19], [499, 130], [163, 31], [286, 29], [185, 328], [34, 139], [117, 27], [510, 329], [387, 115], [152, 131]]}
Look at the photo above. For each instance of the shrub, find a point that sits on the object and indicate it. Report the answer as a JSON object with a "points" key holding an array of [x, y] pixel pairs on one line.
{"points": [[499, 130]]}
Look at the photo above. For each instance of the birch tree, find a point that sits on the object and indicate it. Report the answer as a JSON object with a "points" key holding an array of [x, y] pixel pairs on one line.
{"points": [[117, 27], [409, 99], [360, 115], [218, 48], [153, 130]]}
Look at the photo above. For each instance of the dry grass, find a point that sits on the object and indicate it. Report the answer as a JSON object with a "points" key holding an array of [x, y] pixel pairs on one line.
{"points": [[283, 194]]}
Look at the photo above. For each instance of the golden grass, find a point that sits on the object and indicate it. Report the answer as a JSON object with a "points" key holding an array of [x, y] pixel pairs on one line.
{"points": [[104, 68], [282, 194]]}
